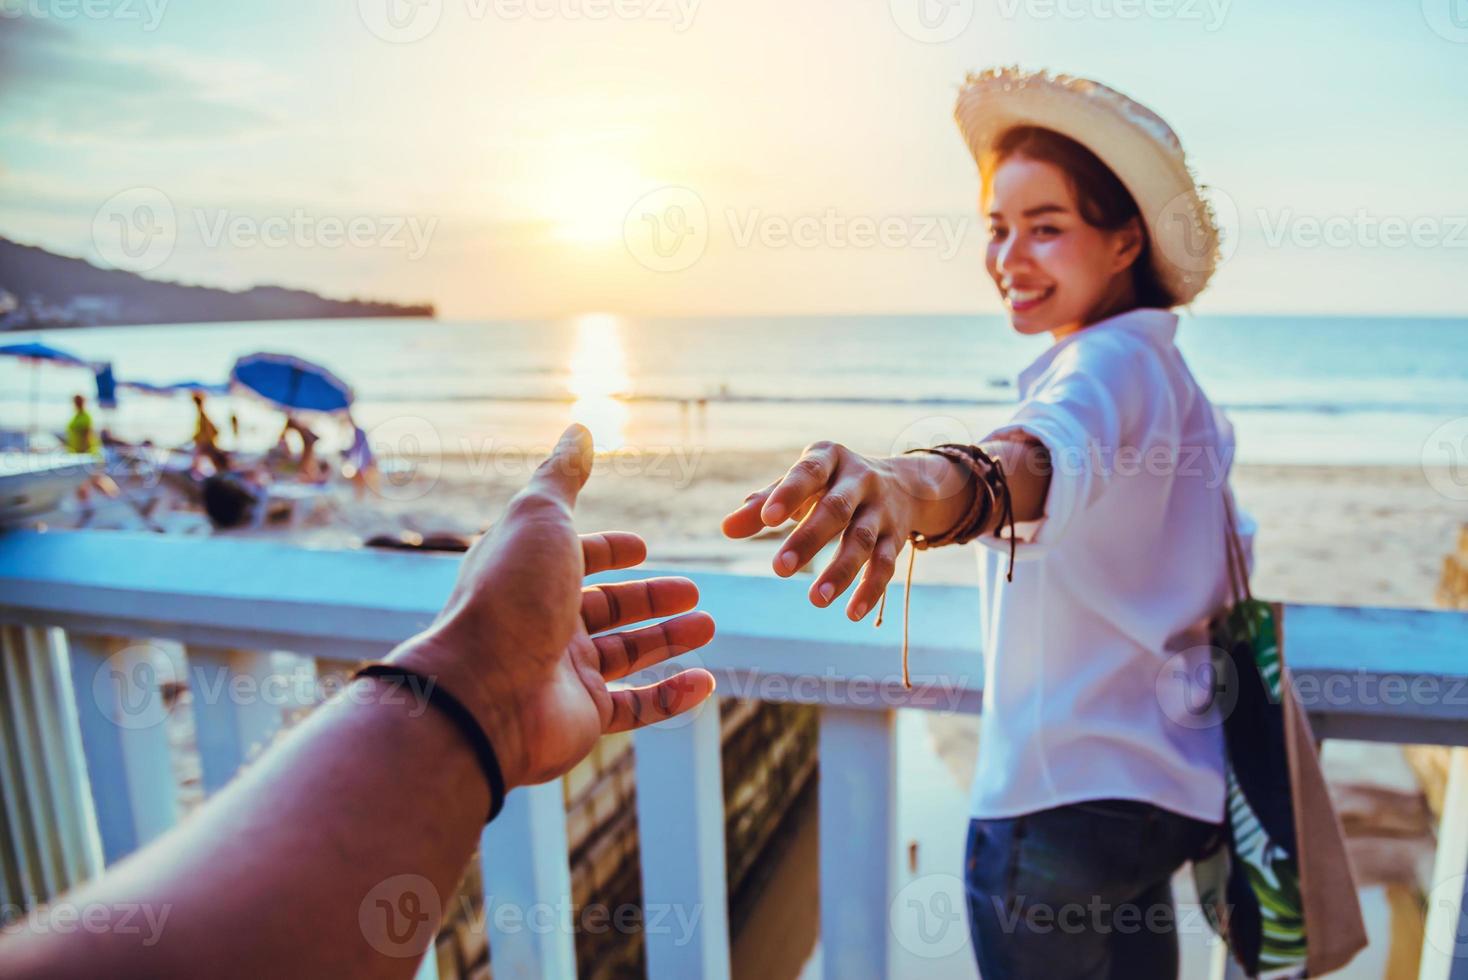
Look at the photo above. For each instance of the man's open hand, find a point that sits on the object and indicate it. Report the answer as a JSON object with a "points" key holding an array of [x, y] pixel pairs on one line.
{"points": [[531, 650]]}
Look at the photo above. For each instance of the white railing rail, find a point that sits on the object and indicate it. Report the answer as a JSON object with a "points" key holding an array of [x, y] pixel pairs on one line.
{"points": [[213, 611]]}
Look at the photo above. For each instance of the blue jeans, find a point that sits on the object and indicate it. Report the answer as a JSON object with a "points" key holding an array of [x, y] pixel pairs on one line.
{"points": [[1077, 891]]}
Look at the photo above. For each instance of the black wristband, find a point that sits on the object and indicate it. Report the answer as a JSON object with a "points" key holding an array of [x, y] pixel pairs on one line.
{"points": [[463, 719]]}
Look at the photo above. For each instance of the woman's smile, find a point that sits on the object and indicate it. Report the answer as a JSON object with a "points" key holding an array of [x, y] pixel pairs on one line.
{"points": [[1022, 300]]}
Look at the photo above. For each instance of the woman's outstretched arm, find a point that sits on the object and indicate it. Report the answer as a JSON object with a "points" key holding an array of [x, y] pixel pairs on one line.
{"points": [[874, 503]]}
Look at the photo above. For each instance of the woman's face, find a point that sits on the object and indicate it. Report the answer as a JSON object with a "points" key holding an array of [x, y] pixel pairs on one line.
{"points": [[1054, 271]]}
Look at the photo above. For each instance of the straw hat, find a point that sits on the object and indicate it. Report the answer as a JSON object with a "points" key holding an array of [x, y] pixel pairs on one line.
{"points": [[1131, 139]]}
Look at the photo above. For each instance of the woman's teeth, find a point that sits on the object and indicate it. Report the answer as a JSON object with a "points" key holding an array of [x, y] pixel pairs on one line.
{"points": [[1018, 298]]}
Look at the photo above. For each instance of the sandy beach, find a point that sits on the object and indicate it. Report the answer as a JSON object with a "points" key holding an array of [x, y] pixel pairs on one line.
{"points": [[1359, 535]]}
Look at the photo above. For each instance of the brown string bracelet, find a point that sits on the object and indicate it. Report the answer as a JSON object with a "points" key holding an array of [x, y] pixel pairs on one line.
{"points": [[991, 491], [429, 690]]}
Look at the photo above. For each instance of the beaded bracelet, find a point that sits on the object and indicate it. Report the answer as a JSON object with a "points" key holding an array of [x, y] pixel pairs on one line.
{"points": [[992, 491], [453, 709]]}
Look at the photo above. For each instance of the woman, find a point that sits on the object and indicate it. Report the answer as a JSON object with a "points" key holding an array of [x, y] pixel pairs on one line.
{"points": [[1101, 767]]}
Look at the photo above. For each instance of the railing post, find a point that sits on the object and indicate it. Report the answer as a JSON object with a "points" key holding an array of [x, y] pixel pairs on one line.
{"points": [[527, 886], [858, 832], [117, 686], [1225, 967], [680, 823], [1445, 953], [237, 709], [56, 707]]}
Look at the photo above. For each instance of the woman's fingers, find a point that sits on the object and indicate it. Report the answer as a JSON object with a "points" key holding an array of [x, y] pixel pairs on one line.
{"points": [[618, 604], [607, 550], [638, 706], [806, 478], [828, 518], [880, 568], [858, 542], [746, 521], [633, 650]]}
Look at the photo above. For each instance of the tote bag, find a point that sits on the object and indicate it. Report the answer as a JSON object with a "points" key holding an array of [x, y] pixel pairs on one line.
{"points": [[1278, 887]]}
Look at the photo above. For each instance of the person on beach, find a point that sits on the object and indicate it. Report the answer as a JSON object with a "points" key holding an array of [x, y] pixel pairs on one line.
{"points": [[359, 462], [81, 440], [1101, 509], [206, 438], [375, 803]]}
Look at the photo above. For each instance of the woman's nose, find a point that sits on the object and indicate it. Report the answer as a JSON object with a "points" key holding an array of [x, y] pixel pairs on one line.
{"points": [[1011, 255]]}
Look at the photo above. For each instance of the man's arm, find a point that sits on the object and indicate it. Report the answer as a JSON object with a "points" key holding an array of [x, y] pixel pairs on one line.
{"points": [[324, 856], [267, 880]]}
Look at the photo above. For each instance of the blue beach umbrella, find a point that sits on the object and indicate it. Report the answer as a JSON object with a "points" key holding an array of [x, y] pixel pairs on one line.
{"points": [[149, 388], [41, 352], [36, 353], [291, 383]]}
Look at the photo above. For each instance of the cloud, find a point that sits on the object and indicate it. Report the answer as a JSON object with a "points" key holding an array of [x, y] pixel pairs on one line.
{"points": [[57, 90]]}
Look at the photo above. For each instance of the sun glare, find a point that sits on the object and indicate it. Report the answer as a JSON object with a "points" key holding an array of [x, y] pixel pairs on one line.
{"points": [[586, 203], [599, 379]]}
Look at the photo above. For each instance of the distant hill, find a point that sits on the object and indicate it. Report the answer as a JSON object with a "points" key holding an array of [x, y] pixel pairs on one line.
{"points": [[49, 290]]}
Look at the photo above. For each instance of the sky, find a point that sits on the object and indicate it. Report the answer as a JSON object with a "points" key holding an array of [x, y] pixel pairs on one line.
{"points": [[522, 158]]}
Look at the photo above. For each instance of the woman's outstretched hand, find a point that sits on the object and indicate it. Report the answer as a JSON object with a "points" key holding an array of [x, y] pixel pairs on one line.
{"points": [[873, 503], [535, 649]]}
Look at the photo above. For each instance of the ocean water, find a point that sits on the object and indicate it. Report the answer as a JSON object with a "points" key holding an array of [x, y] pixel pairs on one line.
{"points": [[1362, 390]]}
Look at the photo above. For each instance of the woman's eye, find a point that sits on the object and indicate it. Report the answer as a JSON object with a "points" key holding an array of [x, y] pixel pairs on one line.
{"points": [[996, 234], [1046, 230]]}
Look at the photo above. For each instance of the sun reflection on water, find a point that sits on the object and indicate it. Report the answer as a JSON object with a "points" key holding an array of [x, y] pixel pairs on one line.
{"points": [[599, 378]]}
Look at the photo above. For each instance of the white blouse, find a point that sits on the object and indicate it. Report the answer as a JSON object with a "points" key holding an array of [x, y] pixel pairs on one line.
{"points": [[1096, 672]]}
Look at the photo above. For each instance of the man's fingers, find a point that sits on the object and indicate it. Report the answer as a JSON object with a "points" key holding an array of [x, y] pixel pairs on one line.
{"points": [[618, 604], [607, 550], [858, 542], [807, 477], [879, 571], [639, 706], [564, 472], [746, 521], [633, 650]]}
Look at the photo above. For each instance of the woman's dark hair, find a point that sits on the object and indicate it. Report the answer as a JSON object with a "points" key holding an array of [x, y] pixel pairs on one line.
{"points": [[1103, 199]]}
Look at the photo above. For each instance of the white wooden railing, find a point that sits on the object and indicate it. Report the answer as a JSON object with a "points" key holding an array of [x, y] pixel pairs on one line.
{"points": [[89, 620]]}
